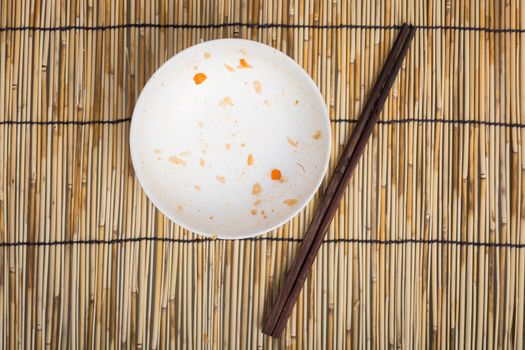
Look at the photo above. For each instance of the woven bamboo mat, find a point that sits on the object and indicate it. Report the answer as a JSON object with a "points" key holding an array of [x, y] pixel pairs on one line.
{"points": [[427, 249]]}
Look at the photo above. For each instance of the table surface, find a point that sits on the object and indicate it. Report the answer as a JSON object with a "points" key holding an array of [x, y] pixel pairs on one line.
{"points": [[427, 248]]}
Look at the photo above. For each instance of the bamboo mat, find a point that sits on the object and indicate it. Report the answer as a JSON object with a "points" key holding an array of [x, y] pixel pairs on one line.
{"points": [[427, 249]]}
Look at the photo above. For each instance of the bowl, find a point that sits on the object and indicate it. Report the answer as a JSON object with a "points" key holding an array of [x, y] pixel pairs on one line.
{"points": [[230, 138]]}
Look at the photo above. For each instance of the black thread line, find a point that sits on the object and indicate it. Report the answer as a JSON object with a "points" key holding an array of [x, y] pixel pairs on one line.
{"points": [[439, 121], [268, 239], [257, 26], [382, 122], [63, 122]]}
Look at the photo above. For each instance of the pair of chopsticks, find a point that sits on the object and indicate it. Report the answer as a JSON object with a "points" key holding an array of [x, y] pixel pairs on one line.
{"points": [[279, 314]]}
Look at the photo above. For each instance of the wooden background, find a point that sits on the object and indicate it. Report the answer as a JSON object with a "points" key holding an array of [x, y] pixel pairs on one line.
{"points": [[427, 249]]}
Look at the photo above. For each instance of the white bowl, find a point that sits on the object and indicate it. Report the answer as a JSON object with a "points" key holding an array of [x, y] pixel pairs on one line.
{"points": [[200, 117]]}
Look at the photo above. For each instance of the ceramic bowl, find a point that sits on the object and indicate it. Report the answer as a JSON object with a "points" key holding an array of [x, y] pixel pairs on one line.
{"points": [[230, 138]]}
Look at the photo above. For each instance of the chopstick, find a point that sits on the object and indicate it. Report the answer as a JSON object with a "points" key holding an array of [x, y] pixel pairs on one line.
{"points": [[314, 236], [333, 185]]}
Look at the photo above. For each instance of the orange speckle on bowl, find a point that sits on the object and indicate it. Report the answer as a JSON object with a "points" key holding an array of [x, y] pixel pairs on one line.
{"points": [[228, 146], [292, 142], [250, 160], [253, 211], [202, 162], [226, 101], [296, 102], [276, 174], [221, 179], [317, 135], [256, 189], [228, 67], [257, 202], [243, 145], [199, 78], [157, 151], [185, 153], [244, 64], [197, 187], [177, 160], [207, 55], [257, 86], [242, 51], [180, 208], [267, 103], [290, 202]]}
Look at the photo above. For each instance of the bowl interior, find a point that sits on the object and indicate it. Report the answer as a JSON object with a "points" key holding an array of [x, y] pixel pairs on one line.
{"points": [[230, 138]]}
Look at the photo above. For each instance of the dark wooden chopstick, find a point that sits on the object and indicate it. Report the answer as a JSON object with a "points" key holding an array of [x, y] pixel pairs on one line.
{"points": [[358, 151], [313, 228], [314, 236]]}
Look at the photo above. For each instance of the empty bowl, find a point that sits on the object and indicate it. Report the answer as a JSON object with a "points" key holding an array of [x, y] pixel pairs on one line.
{"points": [[230, 138]]}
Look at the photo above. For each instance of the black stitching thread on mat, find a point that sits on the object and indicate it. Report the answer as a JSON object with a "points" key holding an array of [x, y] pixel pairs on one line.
{"points": [[259, 26], [63, 122], [382, 122], [439, 121], [269, 239]]}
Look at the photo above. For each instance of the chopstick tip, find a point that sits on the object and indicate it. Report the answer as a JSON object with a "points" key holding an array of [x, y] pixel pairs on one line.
{"points": [[270, 334]]}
